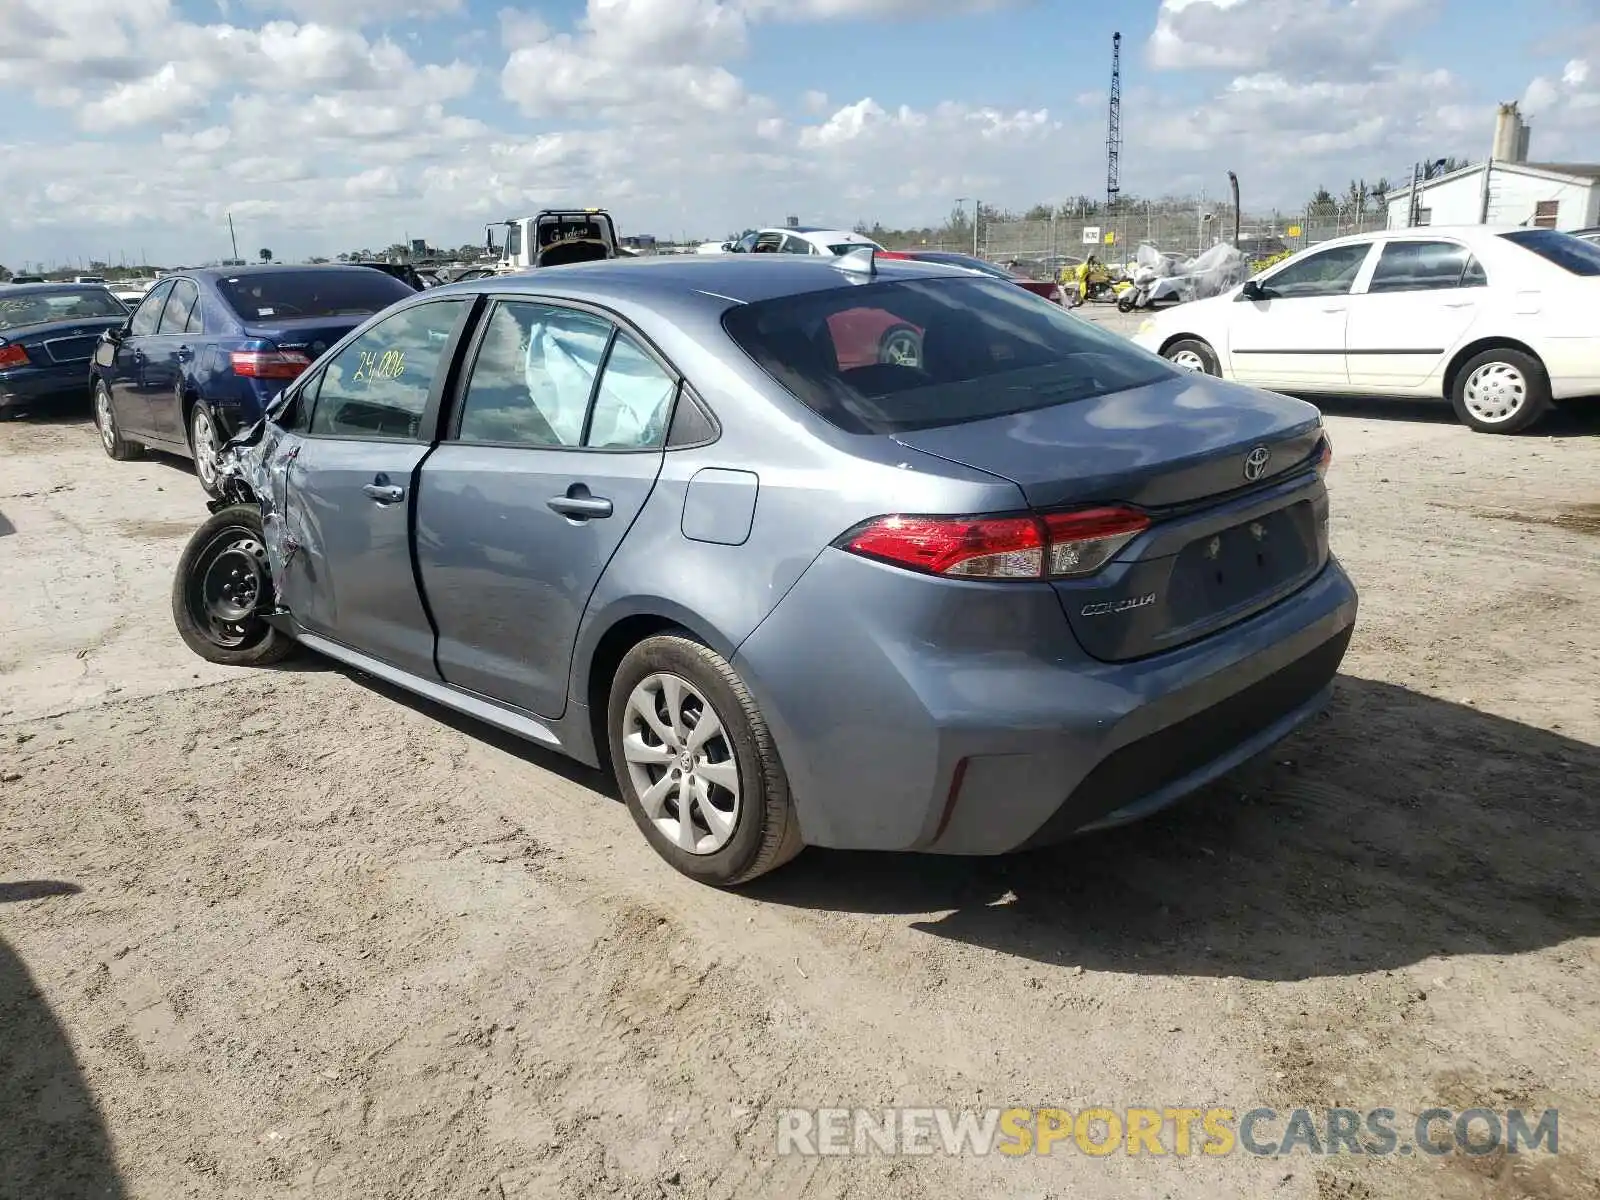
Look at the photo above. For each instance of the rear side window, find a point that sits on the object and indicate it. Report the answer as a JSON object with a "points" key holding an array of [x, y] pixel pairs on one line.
{"points": [[378, 386], [1421, 266], [292, 295], [547, 376], [175, 314], [897, 356], [1567, 252]]}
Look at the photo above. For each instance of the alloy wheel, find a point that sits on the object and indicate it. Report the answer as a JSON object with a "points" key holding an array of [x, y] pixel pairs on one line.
{"points": [[203, 436], [681, 763], [104, 418]]}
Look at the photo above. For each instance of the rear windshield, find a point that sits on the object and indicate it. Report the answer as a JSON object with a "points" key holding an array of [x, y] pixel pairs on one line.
{"points": [[899, 356], [39, 308], [1567, 252], [291, 295]]}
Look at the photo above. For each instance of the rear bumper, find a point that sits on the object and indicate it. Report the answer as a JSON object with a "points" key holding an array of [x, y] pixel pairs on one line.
{"points": [[964, 719], [25, 384]]}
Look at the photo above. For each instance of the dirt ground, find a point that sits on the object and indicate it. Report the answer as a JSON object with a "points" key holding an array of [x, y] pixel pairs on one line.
{"points": [[291, 934]]}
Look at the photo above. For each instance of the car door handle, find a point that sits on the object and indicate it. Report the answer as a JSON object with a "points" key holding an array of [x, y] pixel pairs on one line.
{"points": [[1459, 303], [384, 492], [579, 504], [184, 354], [1331, 308]]}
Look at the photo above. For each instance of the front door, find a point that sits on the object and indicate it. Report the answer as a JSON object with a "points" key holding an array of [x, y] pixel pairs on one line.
{"points": [[371, 414], [128, 375], [1420, 302], [1293, 335], [554, 451]]}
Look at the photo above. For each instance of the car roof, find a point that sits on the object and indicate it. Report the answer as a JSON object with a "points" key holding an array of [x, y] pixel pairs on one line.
{"points": [[1465, 233], [23, 289], [716, 280], [269, 269]]}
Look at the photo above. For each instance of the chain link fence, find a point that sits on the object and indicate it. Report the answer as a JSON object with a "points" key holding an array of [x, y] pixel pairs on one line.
{"points": [[1113, 237]]}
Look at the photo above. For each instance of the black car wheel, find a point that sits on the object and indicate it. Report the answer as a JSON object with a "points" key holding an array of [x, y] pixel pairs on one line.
{"points": [[222, 587]]}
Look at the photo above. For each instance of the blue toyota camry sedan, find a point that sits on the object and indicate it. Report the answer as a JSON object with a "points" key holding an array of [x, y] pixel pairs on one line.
{"points": [[840, 552], [48, 332], [206, 350]]}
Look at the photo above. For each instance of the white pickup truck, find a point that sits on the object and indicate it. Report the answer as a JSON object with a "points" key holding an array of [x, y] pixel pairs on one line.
{"points": [[552, 237]]}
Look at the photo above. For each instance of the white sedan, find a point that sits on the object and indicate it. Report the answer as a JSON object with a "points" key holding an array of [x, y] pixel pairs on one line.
{"points": [[1499, 320]]}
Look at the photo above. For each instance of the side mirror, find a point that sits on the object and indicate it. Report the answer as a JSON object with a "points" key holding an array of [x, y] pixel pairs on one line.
{"points": [[1252, 291]]}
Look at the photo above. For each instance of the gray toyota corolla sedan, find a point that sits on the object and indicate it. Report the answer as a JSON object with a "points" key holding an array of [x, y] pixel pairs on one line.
{"points": [[837, 552]]}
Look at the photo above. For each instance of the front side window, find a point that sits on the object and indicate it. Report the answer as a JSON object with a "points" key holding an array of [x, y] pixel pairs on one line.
{"points": [[898, 356], [148, 313], [1421, 267], [1329, 272], [378, 386]]}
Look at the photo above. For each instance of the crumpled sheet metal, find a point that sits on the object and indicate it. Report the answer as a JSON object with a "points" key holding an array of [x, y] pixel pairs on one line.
{"points": [[260, 459]]}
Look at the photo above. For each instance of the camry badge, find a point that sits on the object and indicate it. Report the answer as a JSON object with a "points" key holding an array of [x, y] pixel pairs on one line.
{"points": [[1255, 463]]}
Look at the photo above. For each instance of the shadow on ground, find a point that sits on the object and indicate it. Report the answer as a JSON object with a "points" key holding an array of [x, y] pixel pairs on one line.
{"points": [[1575, 418], [1397, 828], [53, 1140]]}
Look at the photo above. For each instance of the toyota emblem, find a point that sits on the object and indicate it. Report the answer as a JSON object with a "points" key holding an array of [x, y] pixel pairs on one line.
{"points": [[1255, 463]]}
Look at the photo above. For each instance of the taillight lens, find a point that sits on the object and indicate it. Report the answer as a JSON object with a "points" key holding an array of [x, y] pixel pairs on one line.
{"points": [[1059, 545], [13, 356], [268, 364], [1324, 456]]}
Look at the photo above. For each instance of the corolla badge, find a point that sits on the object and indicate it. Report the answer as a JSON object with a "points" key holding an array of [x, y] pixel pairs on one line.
{"points": [[1255, 463], [1118, 606]]}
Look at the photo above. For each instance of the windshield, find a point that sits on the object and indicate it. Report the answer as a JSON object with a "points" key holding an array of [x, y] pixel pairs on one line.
{"points": [[291, 295], [40, 308], [1567, 252], [915, 354]]}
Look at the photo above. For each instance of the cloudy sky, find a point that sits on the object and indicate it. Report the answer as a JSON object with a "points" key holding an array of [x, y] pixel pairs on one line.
{"points": [[325, 125]]}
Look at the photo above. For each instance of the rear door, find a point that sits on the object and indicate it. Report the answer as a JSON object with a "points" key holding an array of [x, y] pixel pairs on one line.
{"points": [[1294, 335], [167, 353], [1422, 298], [127, 374], [553, 449], [373, 412]]}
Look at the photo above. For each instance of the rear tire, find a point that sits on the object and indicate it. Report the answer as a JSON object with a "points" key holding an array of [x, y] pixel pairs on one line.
{"points": [[1193, 354], [205, 439], [112, 442], [1501, 391], [665, 691], [222, 585]]}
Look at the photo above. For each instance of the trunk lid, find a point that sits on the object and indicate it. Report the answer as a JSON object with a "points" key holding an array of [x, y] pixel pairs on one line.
{"points": [[1230, 534], [1166, 444], [312, 335]]}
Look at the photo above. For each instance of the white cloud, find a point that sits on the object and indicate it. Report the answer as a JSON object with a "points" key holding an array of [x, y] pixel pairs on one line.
{"points": [[159, 97], [1307, 35]]}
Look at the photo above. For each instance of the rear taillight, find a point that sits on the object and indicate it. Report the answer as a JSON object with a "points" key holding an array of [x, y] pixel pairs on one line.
{"points": [[1058, 545], [1324, 456], [268, 364], [12, 356]]}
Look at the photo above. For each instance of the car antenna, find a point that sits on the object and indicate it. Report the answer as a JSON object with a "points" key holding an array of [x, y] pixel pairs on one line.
{"points": [[861, 261]]}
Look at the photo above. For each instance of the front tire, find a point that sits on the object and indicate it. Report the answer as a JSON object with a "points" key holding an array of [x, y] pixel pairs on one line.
{"points": [[1501, 391], [112, 442], [1193, 354], [696, 764], [222, 586]]}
